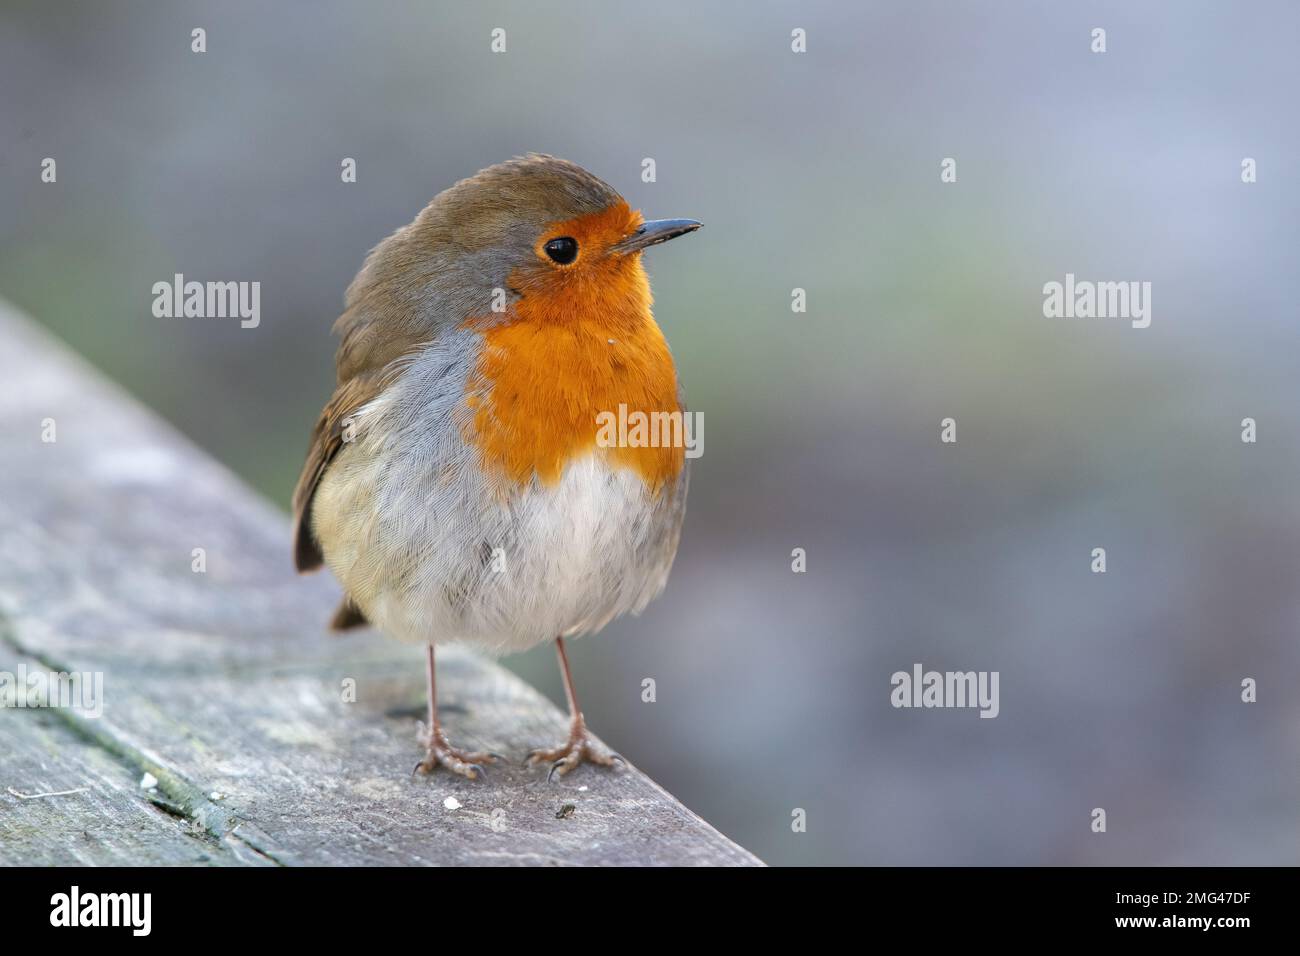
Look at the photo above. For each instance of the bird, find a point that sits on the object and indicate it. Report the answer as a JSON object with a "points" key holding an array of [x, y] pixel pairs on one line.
{"points": [[456, 483]]}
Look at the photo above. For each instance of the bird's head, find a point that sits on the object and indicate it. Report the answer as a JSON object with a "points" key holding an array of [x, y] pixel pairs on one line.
{"points": [[545, 236]]}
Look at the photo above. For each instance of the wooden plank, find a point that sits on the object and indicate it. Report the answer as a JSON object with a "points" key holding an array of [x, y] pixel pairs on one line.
{"points": [[225, 683], [66, 801]]}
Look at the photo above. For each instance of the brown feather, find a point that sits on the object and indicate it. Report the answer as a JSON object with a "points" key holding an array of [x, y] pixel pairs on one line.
{"points": [[326, 440], [347, 617]]}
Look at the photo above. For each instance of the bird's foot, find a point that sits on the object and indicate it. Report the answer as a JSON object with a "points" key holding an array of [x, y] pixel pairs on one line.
{"points": [[467, 763], [579, 748]]}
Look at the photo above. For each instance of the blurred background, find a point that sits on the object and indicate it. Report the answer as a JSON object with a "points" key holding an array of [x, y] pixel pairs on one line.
{"points": [[820, 171]]}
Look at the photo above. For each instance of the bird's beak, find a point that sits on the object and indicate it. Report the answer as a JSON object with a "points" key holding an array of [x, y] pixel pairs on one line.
{"points": [[656, 231]]}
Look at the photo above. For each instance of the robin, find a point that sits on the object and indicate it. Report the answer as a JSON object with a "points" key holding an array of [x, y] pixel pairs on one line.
{"points": [[455, 484]]}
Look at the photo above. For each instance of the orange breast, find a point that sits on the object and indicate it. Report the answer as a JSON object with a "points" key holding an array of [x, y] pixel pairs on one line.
{"points": [[561, 358]]}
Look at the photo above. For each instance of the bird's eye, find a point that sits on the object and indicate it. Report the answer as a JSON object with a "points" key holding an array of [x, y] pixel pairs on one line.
{"points": [[562, 250]]}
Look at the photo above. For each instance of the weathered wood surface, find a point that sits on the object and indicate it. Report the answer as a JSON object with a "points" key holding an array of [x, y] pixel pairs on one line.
{"points": [[225, 687]]}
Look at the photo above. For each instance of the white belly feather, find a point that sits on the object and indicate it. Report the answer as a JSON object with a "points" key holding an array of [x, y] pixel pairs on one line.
{"points": [[438, 560]]}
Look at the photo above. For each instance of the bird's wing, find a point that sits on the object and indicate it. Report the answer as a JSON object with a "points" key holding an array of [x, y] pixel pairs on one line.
{"points": [[369, 360]]}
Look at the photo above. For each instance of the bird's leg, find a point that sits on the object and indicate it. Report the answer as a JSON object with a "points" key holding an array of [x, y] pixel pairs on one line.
{"points": [[580, 745], [467, 764]]}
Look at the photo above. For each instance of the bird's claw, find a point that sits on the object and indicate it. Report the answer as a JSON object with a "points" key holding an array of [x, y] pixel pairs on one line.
{"points": [[580, 748], [468, 764]]}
